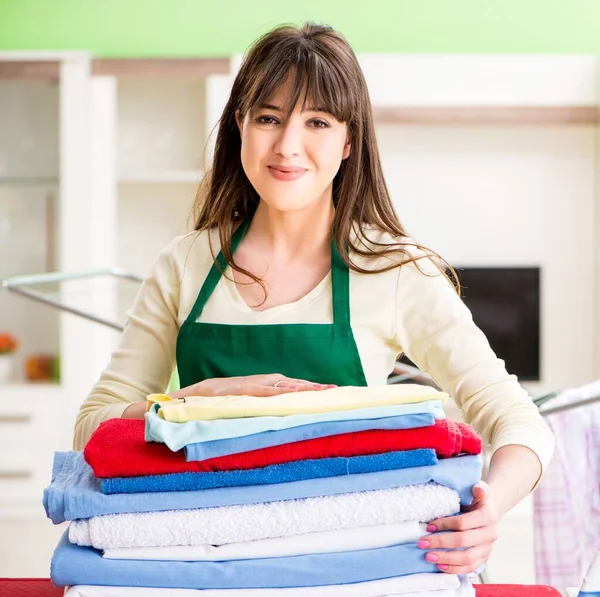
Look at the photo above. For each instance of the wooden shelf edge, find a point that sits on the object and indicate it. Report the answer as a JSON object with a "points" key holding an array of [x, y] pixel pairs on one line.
{"points": [[488, 115], [120, 67], [164, 67]]}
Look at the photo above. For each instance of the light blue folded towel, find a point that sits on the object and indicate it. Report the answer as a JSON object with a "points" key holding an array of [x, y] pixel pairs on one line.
{"points": [[286, 472], [75, 565], [268, 439], [178, 435], [75, 493]]}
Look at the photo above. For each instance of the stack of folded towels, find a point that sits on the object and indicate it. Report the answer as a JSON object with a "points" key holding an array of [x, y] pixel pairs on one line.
{"points": [[313, 494]]}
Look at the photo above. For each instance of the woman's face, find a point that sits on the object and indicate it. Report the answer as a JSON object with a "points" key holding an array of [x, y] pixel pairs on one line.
{"points": [[292, 161]]}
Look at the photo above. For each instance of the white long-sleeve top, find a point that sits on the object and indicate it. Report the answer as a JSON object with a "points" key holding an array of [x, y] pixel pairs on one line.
{"points": [[411, 309]]}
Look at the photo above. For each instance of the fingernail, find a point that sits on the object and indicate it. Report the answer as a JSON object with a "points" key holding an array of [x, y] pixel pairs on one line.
{"points": [[331, 385], [431, 557], [443, 566], [431, 528], [423, 544]]}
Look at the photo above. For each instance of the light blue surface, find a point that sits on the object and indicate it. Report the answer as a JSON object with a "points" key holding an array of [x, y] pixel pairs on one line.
{"points": [[287, 472], [268, 439], [178, 435], [75, 565], [75, 493]]}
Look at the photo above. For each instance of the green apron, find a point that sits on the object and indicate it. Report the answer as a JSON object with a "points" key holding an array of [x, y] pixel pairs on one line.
{"points": [[322, 353]]}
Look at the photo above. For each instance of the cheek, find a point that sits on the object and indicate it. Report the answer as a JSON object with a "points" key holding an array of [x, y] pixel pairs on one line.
{"points": [[251, 152], [329, 156]]}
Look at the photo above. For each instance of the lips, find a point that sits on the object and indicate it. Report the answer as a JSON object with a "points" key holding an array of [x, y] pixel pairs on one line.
{"points": [[286, 173], [287, 168]]}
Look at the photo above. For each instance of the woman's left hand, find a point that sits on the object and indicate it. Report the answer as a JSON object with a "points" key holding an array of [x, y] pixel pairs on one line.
{"points": [[474, 530]]}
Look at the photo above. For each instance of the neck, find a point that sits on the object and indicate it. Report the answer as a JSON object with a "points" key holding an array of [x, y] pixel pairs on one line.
{"points": [[293, 235]]}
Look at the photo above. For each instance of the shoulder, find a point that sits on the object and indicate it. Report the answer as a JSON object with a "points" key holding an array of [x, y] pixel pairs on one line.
{"points": [[193, 249], [374, 249]]}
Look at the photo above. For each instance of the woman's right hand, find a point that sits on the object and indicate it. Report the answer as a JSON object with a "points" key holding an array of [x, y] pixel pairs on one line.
{"points": [[260, 386], [271, 384]]}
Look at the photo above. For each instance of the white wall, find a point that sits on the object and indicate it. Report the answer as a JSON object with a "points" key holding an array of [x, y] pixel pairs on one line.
{"points": [[511, 196]]}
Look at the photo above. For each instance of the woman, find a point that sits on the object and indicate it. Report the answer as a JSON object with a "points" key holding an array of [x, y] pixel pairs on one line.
{"points": [[315, 282]]}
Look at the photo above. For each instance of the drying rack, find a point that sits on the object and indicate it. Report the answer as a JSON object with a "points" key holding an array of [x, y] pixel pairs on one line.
{"points": [[29, 287]]}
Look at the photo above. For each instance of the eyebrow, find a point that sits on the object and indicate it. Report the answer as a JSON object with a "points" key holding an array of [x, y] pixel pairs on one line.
{"points": [[280, 109]]}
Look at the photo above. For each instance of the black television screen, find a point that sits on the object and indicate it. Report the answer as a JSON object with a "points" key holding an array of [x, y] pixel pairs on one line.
{"points": [[505, 302]]}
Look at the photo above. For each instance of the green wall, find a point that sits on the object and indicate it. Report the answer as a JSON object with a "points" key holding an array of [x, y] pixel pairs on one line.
{"points": [[223, 27]]}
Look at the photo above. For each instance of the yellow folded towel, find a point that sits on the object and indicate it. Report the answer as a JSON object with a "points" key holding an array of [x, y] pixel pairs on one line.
{"points": [[203, 408]]}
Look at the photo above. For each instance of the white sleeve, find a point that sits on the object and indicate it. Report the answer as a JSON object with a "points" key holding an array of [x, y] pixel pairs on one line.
{"points": [[145, 358], [436, 331]]}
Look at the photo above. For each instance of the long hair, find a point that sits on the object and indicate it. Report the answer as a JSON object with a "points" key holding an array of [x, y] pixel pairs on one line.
{"points": [[326, 72]]}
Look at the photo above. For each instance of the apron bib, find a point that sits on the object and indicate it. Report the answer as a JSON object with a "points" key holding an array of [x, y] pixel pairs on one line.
{"points": [[322, 353]]}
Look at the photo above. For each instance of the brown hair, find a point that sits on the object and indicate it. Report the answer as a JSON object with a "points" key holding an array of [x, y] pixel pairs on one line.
{"points": [[325, 70]]}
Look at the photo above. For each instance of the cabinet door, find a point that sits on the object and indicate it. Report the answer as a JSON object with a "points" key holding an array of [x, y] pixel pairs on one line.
{"points": [[29, 194], [160, 161]]}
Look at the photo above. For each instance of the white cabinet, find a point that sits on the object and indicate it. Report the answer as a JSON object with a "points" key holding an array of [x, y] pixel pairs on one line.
{"points": [[44, 185], [30, 427], [160, 160], [95, 172], [29, 195]]}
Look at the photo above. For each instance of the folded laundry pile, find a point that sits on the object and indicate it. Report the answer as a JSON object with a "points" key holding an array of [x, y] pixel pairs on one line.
{"points": [[319, 493]]}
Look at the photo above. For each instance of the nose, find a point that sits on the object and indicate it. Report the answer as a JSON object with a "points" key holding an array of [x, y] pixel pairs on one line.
{"points": [[289, 140]]}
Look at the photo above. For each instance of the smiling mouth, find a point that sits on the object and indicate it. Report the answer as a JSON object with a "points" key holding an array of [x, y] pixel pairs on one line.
{"points": [[289, 170], [286, 174]]}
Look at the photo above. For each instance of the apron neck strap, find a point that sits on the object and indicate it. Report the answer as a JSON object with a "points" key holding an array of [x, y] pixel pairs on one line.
{"points": [[340, 286], [215, 273], [340, 280]]}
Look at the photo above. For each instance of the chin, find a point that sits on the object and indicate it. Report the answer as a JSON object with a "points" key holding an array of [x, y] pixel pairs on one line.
{"points": [[288, 205]]}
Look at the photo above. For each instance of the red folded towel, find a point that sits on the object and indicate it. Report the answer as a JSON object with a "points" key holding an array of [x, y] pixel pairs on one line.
{"points": [[118, 449]]}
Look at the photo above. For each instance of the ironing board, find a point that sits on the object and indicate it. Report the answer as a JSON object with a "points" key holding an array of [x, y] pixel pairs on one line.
{"points": [[42, 587]]}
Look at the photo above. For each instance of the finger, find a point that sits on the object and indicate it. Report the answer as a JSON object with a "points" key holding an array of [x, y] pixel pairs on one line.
{"points": [[480, 491], [460, 522], [305, 382], [292, 386], [466, 557], [461, 569], [261, 391], [487, 534]]}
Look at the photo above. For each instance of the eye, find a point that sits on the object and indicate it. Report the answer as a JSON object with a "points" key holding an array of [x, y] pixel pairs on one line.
{"points": [[319, 124], [266, 120]]}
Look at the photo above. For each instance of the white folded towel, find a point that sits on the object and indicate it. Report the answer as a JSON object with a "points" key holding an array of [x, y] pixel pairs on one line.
{"points": [[373, 537], [235, 524], [412, 585]]}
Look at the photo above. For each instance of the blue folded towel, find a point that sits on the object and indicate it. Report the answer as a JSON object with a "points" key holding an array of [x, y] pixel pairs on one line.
{"points": [[273, 474], [75, 565], [74, 491], [267, 439]]}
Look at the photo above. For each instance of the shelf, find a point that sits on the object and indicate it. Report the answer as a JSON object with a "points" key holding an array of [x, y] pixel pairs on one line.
{"points": [[487, 115], [28, 180], [169, 176], [43, 390], [119, 67]]}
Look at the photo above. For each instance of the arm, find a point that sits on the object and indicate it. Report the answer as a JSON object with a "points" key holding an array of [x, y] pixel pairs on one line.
{"points": [[145, 358], [437, 332], [514, 472]]}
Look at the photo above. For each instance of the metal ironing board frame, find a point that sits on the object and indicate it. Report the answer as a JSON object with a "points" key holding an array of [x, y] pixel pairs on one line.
{"points": [[22, 285], [405, 372]]}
